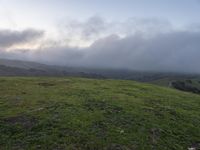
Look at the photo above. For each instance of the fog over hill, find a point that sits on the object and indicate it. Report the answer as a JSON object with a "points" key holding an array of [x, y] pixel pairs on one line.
{"points": [[100, 74], [175, 51], [25, 68], [163, 38]]}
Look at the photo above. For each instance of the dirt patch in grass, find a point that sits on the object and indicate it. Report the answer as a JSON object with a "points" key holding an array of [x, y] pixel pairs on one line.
{"points": [[92, 105], [2, 80], [155, 135], [103, 105], [46, 84], [114, 115], [25, 121], [195, 146], [116, 147], [58, 106], [160, 110], [24, 93], [67, 132], [123, 120], [100, 128]]}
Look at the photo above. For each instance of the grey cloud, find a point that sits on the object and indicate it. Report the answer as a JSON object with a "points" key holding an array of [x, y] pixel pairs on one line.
{"points": [[97, 27], [166, 49], [93, 26], [9, 38], [147, 26], [176, 51], [194, 26]]}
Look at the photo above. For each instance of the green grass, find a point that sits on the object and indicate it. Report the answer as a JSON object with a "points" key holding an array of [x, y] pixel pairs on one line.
{"points": [[163, 82], [189, 85], [77, 113]]}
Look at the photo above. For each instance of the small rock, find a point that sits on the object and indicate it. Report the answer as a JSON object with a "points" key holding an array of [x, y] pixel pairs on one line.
{"points": [[191, 148], [121, 131]]}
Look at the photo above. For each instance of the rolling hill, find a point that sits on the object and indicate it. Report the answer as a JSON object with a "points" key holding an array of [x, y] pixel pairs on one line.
{"points": [[180, 81], [25, 68], [80, 113]]}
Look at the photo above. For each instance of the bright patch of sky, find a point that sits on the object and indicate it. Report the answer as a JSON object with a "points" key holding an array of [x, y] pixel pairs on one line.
{"points": [[47, 13]]}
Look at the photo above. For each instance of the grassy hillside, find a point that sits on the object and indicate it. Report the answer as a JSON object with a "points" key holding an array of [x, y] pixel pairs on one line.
{"points": [[186, 84], [77, 113], [22, 64]]}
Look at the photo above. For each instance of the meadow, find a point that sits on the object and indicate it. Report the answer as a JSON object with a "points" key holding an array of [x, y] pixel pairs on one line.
{"points": [[93, 114]]}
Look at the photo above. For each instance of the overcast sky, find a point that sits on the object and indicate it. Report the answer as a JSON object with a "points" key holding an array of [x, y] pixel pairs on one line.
{"points": [[161, 35]]}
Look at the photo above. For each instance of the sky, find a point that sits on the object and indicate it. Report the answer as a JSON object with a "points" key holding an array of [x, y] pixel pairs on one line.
{"points": [[157, 35]]}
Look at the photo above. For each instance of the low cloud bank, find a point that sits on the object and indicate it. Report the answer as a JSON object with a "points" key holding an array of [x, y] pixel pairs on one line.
{"points": [[9, 37], [174, 50]]}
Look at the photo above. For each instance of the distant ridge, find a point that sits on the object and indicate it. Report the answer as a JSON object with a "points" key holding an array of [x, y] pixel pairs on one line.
{"points": [[10, 67], [22, 64], [26, 68]]}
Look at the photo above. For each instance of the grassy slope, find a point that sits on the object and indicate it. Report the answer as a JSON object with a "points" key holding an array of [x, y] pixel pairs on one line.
{"points": [[162, 82], [191, 85], [77, 113]]}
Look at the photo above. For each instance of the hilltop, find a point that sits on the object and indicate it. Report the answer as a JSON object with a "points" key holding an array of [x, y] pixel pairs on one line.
{"points": [[79, 113]]}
